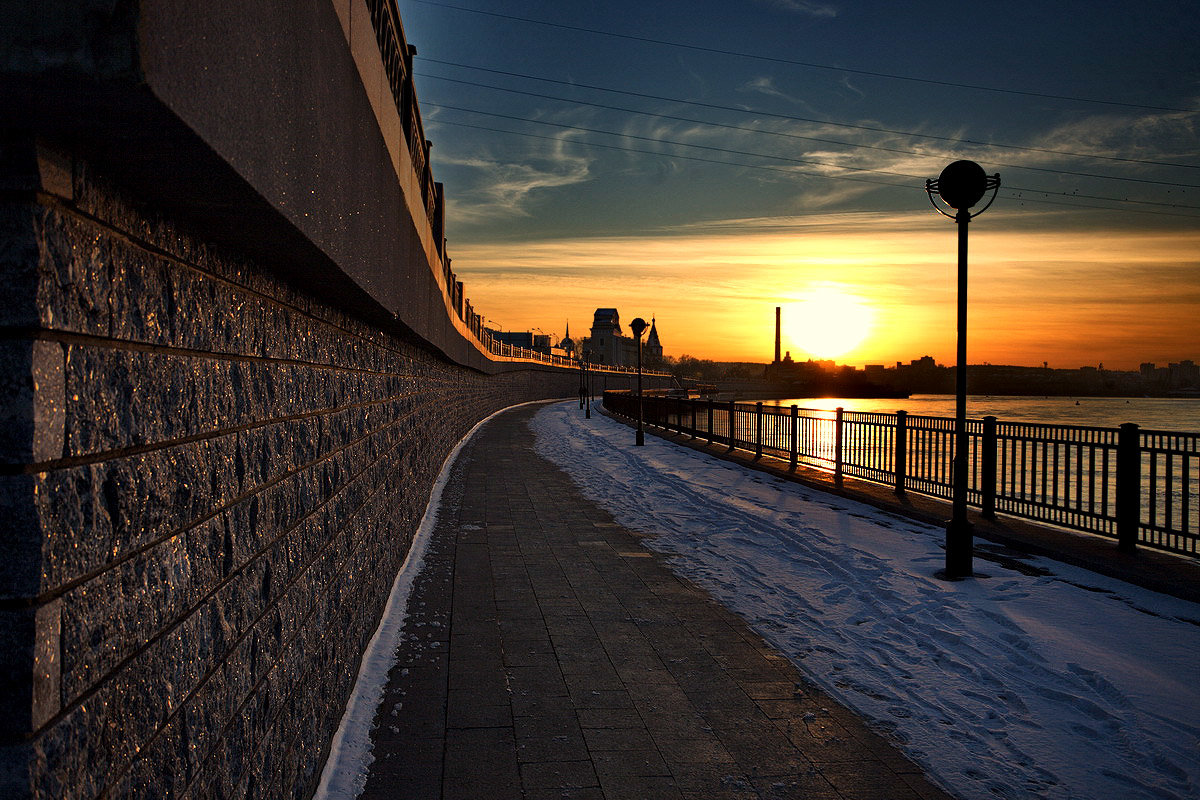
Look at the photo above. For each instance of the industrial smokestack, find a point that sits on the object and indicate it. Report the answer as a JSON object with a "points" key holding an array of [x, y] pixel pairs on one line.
{"points": [[776, 334]]}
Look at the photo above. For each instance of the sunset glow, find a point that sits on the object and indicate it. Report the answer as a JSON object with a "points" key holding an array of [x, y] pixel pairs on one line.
{"points": [[679, 160], [825, 324], [1070, 298]]}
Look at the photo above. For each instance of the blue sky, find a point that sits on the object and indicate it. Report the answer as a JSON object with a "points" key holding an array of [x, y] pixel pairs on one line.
{"points": [[823, 113]]}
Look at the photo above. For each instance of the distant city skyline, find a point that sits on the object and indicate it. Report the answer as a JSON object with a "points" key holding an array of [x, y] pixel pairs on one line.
{"points": [[1141, 367], [554, 337], [577, 146], [1116, 317]]}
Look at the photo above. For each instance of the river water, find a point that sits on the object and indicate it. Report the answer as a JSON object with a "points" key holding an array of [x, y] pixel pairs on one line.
{"points": [[1151, 413]]}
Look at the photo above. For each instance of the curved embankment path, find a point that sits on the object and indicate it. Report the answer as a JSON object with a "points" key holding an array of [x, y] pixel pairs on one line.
{"points": [[546, 653]]}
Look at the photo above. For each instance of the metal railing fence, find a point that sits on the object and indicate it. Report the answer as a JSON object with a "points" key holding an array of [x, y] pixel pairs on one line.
{"points": [[1141, 487]]}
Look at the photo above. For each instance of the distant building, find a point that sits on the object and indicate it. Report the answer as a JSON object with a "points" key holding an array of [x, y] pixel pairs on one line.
{"points": [[567, 344], [515, 338], [652, 352], [608, 343], [1184, 375]]}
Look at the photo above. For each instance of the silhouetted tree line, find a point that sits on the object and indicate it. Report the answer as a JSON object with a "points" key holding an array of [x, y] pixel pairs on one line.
{"points": [[704, 369]]}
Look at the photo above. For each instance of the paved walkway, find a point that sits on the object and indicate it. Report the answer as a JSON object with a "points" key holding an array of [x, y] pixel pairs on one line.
{"points": [[549, 655]]}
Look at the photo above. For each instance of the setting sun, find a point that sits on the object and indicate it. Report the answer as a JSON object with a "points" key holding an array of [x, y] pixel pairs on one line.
{"points": [[826, 323]]}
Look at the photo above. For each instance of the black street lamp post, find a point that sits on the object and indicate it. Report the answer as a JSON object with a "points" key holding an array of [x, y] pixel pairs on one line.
{"points": [[961, 185], [582, 389], [587, 383], [638, 326]]}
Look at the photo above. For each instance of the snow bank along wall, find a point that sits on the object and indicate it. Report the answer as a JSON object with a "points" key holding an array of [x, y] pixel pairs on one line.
{"points": [[232, 369]]}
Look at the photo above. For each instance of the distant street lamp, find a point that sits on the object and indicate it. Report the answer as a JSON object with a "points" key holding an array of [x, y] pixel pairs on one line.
{"points": [[582, 385], [961, 185], [587, 382], [638, 326]]}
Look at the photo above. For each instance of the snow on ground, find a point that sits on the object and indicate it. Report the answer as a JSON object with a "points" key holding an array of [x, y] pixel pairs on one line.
{"points": [[1056, 684]]}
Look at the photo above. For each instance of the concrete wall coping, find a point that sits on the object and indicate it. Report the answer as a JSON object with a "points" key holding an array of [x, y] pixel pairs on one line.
{"points": [[268, 127]]}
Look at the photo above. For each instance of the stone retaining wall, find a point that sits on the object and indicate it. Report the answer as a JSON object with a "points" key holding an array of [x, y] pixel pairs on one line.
{"points": [[211, 477]]}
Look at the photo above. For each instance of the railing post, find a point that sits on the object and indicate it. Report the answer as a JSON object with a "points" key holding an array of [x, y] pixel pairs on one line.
{"points": [[758, 429], [693, 404], [795, 441], [711, 404], [1129, 486], [901, 451], [732, 424], [837, 447], [987, 468]]}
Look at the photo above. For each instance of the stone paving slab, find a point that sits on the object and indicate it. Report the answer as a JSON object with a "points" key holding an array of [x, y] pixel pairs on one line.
{"points": [[547, 654]]}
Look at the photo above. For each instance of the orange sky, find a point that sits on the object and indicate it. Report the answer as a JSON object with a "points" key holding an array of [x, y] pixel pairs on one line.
{"points": [[887, 281]]}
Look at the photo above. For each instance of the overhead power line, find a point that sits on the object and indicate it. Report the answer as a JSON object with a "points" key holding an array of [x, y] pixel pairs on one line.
{"points": [[789, 159], [833, 123], [788, 135], [1014, 194], [806, 64]]}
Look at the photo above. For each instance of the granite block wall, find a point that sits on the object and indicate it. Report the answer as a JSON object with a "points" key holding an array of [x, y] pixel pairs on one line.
{"points": [[209, 479]]}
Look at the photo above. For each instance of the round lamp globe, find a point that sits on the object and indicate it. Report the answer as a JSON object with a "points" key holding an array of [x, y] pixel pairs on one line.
{"points": [[962, 184]]}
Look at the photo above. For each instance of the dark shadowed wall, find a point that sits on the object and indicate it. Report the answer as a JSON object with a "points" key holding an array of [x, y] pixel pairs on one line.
{"points": [[212, 478], [231, 374]]}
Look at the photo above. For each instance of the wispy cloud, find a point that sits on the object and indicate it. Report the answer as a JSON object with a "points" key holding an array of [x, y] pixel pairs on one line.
{"points": [[765, 85], [500, 186], [845, 81], [803, 168], [883, 157], [819, 10], [1154, 136]]}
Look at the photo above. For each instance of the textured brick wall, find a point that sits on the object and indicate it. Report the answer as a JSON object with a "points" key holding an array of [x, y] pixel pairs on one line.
{"points": [[210, 480]]}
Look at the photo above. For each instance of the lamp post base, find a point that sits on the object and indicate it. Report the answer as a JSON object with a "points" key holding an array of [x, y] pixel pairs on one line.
{"points": [[959, 551], [943, 575]]}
